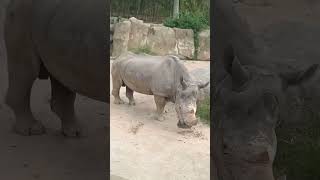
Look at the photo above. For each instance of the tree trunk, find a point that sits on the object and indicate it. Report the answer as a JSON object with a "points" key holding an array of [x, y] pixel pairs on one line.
{"points": [[175, 8]]}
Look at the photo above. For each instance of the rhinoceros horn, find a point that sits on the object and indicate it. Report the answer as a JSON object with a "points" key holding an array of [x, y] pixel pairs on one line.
{"points": [[203, 85], [239, 74]]}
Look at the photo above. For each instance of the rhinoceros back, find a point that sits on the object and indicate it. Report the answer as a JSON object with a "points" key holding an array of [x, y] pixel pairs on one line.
{"points": [[152, 75]]}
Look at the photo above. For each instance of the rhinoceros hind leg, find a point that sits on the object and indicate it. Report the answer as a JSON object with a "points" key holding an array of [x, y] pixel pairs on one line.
{"points": [[116, 85], [160, 103], [129, 94], [22, 73], [62, 103], [118, 100]]}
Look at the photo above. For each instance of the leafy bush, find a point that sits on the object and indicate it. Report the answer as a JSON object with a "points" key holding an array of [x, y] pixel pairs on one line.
{"points": [[197, 7], [188, 21]]}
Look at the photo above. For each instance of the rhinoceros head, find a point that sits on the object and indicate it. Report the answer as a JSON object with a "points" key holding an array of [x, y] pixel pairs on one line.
{"points": [[247, 107], [186, 102]]}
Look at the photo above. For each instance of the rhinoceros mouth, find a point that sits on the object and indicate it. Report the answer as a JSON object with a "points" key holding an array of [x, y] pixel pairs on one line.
{"points": [[187, 120], [183, 125]]}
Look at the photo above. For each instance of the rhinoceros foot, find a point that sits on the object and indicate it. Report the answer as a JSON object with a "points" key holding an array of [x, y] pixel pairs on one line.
{"points": [[74, 129], [159, 117], [118, 101], [28, 128], [132, 103]]}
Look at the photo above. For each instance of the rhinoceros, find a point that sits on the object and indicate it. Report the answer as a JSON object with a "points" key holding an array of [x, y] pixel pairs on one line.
{"points": [[61, 40], [164, 77], [248, 95]]}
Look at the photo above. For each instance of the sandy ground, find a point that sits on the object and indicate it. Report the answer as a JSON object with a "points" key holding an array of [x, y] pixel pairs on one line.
{"points": [[51, 156], [143, 149]]}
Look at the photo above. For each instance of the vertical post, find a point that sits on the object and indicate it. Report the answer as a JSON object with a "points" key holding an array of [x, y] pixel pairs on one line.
{"points": [[175, 8]]}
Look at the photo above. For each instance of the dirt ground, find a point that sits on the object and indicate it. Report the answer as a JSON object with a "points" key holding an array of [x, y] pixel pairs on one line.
{"points": [[142, 148], [51, 156]]}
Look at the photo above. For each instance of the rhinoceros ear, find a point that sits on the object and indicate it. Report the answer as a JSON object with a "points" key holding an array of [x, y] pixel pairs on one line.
{"points": [[296, 78], [183, 83]]}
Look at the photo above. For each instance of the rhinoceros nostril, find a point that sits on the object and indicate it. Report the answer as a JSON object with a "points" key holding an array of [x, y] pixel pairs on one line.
{"points": [[192, 111]]}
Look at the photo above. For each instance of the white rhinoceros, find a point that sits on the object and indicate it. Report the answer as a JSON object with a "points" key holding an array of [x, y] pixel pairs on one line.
{"points": [[164, 77]]}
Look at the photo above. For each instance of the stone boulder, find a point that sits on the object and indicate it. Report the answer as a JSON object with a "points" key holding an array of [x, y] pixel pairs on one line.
{"points": [[120, 38], [139, 34], [204, 45], [185, 42], [202, 75], [161, 40]]}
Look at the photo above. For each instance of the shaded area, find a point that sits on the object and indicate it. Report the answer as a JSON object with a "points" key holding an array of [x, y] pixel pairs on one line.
{"points": [[52, 156], [298, 151], [287, 32]]}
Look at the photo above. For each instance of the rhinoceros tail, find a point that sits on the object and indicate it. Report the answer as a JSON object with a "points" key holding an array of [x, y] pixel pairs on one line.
{"points": [[43, 73]]}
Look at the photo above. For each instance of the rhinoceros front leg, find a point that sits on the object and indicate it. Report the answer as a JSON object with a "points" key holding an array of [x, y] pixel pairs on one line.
{"points": [[23, 69], [62, 103], [160, 103], [129, 94], [18, 98]]}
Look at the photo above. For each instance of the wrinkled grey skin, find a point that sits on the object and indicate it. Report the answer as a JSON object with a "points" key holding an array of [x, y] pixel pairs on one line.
{"points": [[60, 40], [164, 77], [247, 100]]}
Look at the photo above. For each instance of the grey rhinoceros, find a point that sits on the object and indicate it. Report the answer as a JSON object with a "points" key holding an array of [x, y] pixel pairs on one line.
{"points": [[249, 93], [61, 40], [164, 77]]}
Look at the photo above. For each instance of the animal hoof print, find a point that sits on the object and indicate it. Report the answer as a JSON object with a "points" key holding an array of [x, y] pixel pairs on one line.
{"points": [[29, 129], [74, 131]]}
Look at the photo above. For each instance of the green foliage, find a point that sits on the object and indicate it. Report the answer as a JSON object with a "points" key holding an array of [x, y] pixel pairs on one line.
{"points": [[155, 10], [197, 7], [194, 14], [298, 153], [203, 111], [143, 50], [188, 20], [196, 44]]}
